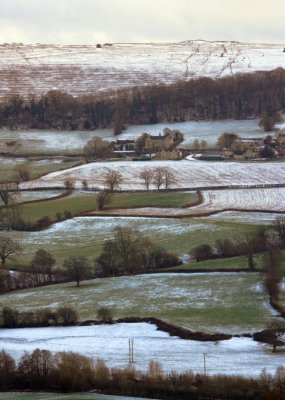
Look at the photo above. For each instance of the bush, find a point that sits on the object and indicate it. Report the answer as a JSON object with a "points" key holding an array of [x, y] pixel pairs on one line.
{"points": [[67, 315], [10, 317], [202, 252], [67, 214], [43, 222], [105, 314]]}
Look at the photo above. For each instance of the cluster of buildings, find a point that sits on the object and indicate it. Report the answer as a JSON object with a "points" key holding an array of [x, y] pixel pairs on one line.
{"points": [[159, 147], [165, 147], [256, 148]]}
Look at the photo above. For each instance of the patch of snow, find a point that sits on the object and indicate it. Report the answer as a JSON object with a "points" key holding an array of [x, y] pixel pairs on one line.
{"points": [[188, 175], [84, 69], [235, 356]]}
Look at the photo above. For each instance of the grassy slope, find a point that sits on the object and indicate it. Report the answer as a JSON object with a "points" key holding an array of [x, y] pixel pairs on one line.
{"points": [[213, 302], [7, 173], [221, 263], [85, 236]]}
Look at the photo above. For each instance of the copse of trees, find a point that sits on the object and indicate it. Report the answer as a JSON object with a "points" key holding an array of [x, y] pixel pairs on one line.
{"points": [[97, 148], [12, 318], [131, 252], [239, 96], [159, 177]]}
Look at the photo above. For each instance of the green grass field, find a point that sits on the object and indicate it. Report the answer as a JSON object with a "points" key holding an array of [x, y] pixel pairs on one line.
{"points": [[221, 263], [85, 236], [223, 302], [82, 202]]}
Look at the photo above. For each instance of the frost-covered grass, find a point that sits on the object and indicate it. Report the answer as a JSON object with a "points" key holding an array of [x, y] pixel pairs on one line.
{"points": [[35, 195], [85, 235], [188, 174], [238, 356], [231, 302], [86, 69], [269, 199], [220, 264], [246, 217]]}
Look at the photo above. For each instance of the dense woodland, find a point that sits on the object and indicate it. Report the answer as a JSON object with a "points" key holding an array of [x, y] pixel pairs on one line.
{"points": [[239, 97]]}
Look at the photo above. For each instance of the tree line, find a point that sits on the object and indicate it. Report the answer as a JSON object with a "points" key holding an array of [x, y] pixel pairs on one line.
{"points": [[41, 317], [240, 96], [72, 372], [128, 252]]}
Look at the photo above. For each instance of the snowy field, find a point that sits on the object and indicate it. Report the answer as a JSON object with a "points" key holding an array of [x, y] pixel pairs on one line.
{"points": [[188, 174], [37, 141], [35, 195], [212, 302], [246, 217], [87, 69], [269, 199], [235, 356]]}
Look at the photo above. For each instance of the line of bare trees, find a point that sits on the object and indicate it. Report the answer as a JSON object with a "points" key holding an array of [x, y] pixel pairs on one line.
{"points": [[72, 372]]}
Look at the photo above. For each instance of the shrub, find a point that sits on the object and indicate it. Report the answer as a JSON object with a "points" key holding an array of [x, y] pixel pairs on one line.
{"points": [[202, 252], [67, 214], [10, 317], [105, 314], [43, 222], [67, 315]]}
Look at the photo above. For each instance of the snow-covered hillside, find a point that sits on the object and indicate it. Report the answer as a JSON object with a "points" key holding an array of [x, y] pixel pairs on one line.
{"points": [[188, 174], [86, 69]]}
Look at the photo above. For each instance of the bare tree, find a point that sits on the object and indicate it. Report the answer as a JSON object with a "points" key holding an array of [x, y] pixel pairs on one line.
{"points": [[97, 148], [77, 268], [103, 198], [7, 369], [169, 178], [227, 139], [112, 179], [279, 225], [7, 248], [84, 184], [43, 261], [69, 184], [163, 176], [273, 270], [5, 194], [22, 172], [204, 145], [158, 177], [146, 174]]}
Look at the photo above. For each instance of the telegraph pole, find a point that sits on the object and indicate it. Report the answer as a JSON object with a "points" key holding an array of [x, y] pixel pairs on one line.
{"points": [[205, 367], [131, 351]]}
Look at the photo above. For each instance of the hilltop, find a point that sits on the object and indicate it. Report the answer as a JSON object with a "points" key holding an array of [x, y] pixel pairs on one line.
{"points": [[84, 69]]}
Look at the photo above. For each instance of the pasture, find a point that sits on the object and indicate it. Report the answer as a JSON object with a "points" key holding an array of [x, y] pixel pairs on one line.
{"points": [[213, 302], [85, 236]]}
